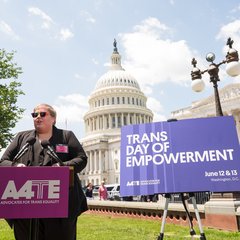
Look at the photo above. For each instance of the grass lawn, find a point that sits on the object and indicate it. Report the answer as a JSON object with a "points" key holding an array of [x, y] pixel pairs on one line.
{"points": [[102, 227]]}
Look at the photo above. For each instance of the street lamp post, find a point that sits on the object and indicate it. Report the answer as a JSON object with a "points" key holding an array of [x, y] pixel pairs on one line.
{"points": [[233, 69]]}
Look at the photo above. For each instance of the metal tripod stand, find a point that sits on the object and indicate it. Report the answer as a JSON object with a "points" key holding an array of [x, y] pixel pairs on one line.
{"points": [[184, 199]]}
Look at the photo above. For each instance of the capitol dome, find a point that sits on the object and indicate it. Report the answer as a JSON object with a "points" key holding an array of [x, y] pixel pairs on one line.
{"points": [[115, 78], [117, 100]]}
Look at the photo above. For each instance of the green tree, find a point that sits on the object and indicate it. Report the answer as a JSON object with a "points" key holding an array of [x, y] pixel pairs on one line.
{"points": [[10, 113]]}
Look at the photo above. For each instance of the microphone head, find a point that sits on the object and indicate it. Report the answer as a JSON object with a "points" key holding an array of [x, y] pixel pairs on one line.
{"points": [[31, 140], [45, 143]]}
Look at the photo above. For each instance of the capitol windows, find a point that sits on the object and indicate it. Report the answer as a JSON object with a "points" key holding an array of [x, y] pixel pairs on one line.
{"points": [[103, 102], [119, 121], [116, 164], [94, 124], [133, 101], [113, 122], [137, 119], [107, 101], [123, 100], [107, 122], [118, 100], [131, 119], [113, 100], [97, 181], [124, 120]]}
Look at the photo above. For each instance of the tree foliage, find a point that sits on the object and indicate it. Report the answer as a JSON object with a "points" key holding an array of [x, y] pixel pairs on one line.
{"points": [[10, 113]]}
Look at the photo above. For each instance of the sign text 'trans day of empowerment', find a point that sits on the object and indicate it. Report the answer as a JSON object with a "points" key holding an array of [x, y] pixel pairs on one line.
{"points": [[181, 156]]}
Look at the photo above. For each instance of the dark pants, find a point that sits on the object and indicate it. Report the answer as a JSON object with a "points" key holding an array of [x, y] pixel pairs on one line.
{"points": [[48, 229]]}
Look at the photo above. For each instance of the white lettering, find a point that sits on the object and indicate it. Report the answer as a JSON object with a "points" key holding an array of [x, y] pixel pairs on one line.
{"points": [[151, 137], [32, 188], [176, 158], [54, 189]]}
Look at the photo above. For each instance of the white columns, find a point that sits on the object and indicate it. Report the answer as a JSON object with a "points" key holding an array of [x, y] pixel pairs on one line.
{"points": [[91, 162], [110, 120], [95, 162], [100, 161], [116, 120]]}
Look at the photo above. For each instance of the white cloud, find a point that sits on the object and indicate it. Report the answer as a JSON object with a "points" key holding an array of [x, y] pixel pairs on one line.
{"points": [[159, 117], [48, 24], [47, 21], [153, 26], [154, 104], [156, 107], [147, 90], [232, 30], [65, 34], [71, 108], [95, 61], [152, 58], [236, 9], [7, 30], [78, 76], [87, 16]]}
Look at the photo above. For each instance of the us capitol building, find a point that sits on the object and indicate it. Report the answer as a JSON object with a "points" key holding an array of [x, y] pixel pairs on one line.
{"points": [[117, 100]]}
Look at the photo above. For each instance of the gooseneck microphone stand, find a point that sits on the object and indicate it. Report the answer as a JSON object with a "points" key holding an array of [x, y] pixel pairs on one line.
{"points": [[34, 223]]}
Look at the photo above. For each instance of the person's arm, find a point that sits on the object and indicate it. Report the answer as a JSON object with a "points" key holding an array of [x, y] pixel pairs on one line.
{"points": [[99, 192], [77, 155], [16, 146], [11, 151]]}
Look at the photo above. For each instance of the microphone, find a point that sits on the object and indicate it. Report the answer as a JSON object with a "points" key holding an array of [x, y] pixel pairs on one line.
{"points": [[46, 144], [30, 141]]}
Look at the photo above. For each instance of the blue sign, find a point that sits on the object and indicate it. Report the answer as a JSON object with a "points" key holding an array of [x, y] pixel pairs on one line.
{"points": [[192, 155]]}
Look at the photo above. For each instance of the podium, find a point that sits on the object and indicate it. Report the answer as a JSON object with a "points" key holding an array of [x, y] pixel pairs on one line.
{"points": [[34, 192]]}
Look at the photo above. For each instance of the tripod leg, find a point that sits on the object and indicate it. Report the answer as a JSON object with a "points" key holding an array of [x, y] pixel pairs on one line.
{"points": [[185, 204], [202, 235], [160, 237]]}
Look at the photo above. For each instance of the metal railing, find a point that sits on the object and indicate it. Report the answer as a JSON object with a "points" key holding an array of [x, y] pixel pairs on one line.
{"points": [[201, 197]]}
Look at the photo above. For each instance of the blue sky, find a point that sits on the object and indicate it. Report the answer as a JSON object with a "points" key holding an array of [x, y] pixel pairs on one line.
{"points": [[64, 47]]}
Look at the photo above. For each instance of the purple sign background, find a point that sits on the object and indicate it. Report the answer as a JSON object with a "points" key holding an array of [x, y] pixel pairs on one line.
{"points": [[192, 155], [39, 192]]}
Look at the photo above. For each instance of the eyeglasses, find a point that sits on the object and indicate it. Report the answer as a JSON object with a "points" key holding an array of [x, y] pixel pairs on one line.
{"points": [[36, 114]]}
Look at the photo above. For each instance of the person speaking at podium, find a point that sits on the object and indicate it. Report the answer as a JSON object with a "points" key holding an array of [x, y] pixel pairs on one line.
{"points": [[46, 145]]}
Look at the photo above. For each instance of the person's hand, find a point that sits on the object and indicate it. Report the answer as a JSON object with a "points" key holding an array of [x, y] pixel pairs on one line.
{"points": [[56, 165], [21, 165]]}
